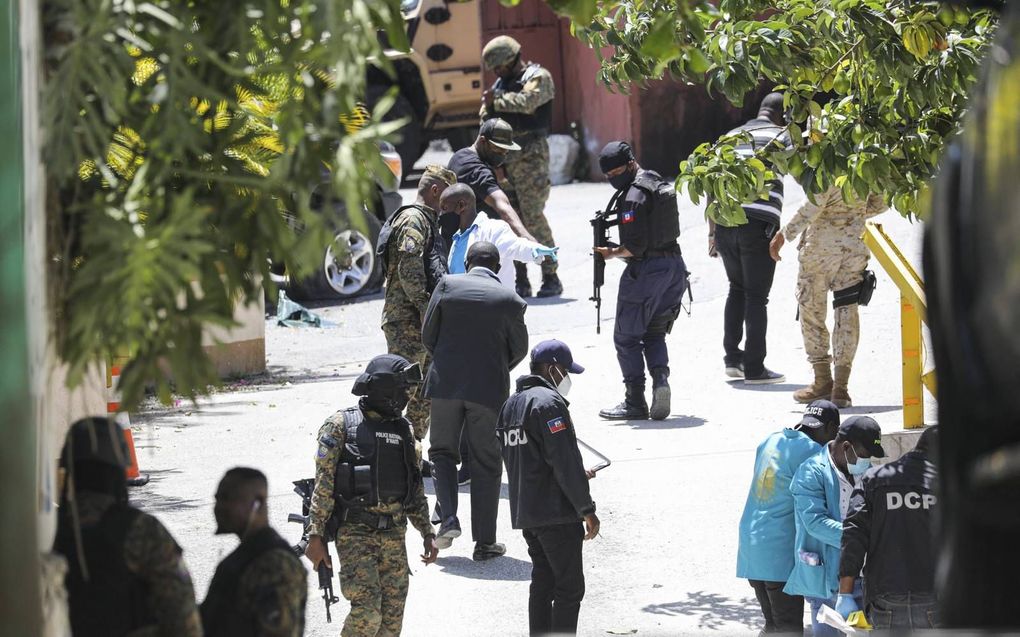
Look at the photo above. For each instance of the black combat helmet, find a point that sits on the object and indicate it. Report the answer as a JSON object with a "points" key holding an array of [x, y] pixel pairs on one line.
{"points": [[386, 373], [386, 383], [95, 439]]}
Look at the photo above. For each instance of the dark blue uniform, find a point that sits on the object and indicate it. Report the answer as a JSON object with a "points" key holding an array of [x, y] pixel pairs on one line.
{"points": [[548, 498], [654, 281]]}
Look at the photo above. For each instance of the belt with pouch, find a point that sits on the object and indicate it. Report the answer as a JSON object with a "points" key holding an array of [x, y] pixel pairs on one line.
{"points": [[376, 521]]}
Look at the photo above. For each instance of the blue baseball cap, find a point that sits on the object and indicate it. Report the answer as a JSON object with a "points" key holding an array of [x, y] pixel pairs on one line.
{"points": [[553, 351]]}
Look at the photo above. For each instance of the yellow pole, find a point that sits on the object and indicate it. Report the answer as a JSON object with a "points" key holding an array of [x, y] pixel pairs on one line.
{"points": [[913, 401]]}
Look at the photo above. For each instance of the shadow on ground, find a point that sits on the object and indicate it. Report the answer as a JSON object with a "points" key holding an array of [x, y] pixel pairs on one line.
{"points": [[501, 568], [776, 387], [714, 612], [676, 422], [869, 409], [549, 300]]}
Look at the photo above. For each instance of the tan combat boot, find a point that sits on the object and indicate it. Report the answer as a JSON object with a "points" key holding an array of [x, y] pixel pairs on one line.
{"points": [[821, 388], [840, 395]]}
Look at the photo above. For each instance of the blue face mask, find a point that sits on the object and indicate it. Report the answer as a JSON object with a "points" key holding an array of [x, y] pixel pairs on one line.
{"points": [[857, 468]]}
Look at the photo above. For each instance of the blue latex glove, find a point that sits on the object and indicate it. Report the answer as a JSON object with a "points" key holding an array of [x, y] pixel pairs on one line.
{"points": [[845, 604], [540, 253]]}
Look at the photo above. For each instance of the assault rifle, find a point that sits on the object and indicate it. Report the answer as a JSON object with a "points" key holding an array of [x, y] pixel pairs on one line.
{"points": [[304, 489], [601, 224]]}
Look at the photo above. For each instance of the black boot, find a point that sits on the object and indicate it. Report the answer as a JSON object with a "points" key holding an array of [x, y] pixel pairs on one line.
{"points": [[523, 284], [551, 286], [633, 406], [660, 393]]}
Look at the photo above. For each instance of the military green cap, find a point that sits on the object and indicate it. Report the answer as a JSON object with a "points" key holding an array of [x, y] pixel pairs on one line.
{"points": [[444, 175], [500, 50], [498, 132]]}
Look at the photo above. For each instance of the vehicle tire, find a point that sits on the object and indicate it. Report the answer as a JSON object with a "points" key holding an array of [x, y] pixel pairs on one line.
{"points": [[332, 282], [461, 137], [411, 141]]}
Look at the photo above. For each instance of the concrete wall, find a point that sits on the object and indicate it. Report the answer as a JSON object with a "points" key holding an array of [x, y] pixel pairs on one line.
{"points": [[240, 351]]}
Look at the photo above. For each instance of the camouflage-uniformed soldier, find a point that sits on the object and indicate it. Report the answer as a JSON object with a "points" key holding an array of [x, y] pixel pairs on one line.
{"points": [[125, 573], [832, 257], [414, 258], [367, 481], [260, 589], [523, 96]]}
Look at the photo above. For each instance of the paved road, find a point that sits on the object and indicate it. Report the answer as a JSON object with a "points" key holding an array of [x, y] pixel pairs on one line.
{"points": [[669, 505]]}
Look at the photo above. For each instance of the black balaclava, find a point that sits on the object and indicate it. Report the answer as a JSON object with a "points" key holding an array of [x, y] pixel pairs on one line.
{"points": [[614, 155]]}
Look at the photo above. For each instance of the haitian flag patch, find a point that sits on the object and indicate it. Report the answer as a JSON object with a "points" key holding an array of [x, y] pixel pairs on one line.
{"points": [[627, 216], [556, 425]]}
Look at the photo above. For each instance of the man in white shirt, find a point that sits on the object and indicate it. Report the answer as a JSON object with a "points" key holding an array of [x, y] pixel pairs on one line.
{"points": [[459, 199]]}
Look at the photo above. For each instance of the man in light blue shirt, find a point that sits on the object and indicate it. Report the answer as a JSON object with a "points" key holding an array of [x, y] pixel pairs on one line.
{"points": [[460, 200], [821, 490], [767, 527]]}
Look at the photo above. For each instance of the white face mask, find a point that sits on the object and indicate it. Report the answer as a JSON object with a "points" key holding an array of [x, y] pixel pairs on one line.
{"points": [[564, 385]]}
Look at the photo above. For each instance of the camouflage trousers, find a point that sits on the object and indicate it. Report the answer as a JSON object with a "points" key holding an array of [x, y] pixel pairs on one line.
{"points": [[528, 172], [830, 260], [374, 579], [404, 339]]}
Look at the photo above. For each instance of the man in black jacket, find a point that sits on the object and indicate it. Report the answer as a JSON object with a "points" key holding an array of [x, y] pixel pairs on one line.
{"points": [[892, 523], [474, 329], [548, 487], [125, 573], [260, 589]]}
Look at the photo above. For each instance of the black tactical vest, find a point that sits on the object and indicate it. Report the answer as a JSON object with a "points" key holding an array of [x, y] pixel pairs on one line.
{"points": [[524, 123], [113, 601], [664, 225], [221, 616], [362, 480], [435, 253]]}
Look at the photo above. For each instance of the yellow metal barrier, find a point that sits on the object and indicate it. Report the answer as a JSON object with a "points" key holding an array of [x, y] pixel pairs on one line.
{"points": [[913, 310]]}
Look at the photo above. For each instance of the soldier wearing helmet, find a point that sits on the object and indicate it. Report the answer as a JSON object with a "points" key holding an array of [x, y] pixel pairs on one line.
{"points": [[125, 573], [523, 96], [368, 484]]}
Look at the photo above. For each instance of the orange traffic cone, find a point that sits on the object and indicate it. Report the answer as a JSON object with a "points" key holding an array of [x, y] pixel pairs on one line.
{"points": [[134, 477]]}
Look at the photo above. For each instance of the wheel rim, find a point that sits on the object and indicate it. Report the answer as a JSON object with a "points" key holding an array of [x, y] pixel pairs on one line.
{"points": [[348, 281]]}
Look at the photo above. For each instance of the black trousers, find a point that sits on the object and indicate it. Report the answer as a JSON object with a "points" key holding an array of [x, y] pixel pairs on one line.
{"points": [[784, 614], [452, 419], [750, 270], [557, 578]]}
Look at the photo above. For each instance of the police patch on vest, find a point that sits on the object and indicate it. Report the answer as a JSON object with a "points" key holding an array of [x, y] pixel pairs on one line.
{"points": [[556, 425], [389, 438], [627, 217]]}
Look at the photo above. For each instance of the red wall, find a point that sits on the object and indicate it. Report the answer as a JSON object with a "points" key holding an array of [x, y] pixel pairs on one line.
{"points": [[603, 116]]}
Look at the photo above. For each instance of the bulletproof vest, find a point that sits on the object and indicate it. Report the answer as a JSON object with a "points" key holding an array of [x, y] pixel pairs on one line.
{"points": [[364, 478], [113, 600], [434, 255], [523, 123], [221, 616], [664, 222]]}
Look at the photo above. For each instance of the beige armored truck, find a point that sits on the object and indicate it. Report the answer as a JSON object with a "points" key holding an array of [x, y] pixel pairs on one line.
{"points": [[440, 79]]}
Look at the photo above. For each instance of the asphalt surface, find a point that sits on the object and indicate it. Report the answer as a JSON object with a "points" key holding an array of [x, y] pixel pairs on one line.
{"points": [[669, 504]]}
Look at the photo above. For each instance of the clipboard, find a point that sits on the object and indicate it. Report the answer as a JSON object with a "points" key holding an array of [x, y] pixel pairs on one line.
{"points": [[590, 453]]}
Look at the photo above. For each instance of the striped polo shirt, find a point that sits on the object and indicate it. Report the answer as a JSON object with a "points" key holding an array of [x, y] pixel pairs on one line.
{"points": [[764, 132]]}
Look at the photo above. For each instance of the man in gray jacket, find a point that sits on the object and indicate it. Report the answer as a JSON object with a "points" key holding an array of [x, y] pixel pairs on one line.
{"points": [[474, 328]]}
